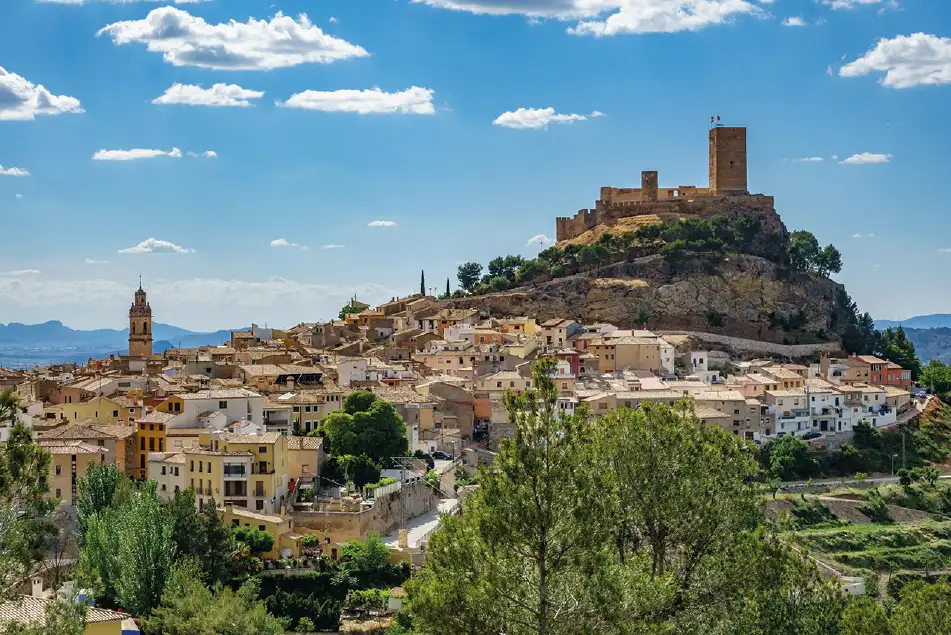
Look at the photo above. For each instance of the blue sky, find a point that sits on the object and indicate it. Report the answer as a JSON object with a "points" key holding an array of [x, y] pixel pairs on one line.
{"points": [[414, 143]]}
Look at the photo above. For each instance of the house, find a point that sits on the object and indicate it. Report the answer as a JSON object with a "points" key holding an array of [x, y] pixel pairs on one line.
{"points": [[98, 409], [221, 475], [119, 442], [268, 481], [235, 403], [789, 410], [555, 333], [304, 458], [167, 469], [152, 438], [69, 461], [310, 407], [271, 378], [30, 611], [287, 543]]}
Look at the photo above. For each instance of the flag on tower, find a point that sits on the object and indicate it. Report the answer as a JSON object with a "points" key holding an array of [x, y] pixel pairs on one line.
{"points": [[711, 120], [718, 118]]}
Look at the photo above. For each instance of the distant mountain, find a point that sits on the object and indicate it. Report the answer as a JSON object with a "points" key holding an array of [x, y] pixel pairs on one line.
{"points": [[56, 336], [936, 321], [931, 343]]}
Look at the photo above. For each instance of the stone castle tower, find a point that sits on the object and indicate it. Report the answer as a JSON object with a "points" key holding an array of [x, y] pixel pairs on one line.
{"points": [[140, 325], [727, 160]]}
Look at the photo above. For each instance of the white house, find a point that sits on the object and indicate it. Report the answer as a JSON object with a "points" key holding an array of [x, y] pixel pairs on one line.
{"points": [[167, 469], [235, 403], [351, 369], [667, 357]]}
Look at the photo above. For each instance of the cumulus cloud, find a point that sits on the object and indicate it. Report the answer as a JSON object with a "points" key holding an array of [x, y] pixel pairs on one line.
{"points": [[283, 242], [16, 273], [19, 196], [255, 45], [155, 246], [851, 4], [92, 261], [13, 171], [794, 20], [808, 160], [218, 95], [907, 61], [207, 154], [413, 100], [538, 118], [82, 2], [333, 20], [613, 17], [135, 154], [865, 158], [381, 223], [22, 100], [539, 240], [332, 246]]}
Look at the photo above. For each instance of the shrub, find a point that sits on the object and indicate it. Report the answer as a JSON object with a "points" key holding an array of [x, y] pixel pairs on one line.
{"points": [[305, 625]]}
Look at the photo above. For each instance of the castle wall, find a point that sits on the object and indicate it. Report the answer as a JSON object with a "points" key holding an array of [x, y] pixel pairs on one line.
{"points": [[728, 160], [703, 206]]}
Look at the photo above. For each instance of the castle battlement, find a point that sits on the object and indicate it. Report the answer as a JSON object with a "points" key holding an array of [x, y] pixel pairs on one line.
{"points": [[727, 180]]}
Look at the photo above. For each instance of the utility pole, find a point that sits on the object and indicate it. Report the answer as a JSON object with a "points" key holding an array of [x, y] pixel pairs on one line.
{"points": [[902, 428]]}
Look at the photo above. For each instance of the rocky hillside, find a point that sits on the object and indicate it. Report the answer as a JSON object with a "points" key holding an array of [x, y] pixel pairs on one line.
{"points": [[742, 296]]}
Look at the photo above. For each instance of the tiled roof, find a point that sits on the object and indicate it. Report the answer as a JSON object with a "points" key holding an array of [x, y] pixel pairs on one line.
{"points": [[246, 513], [398, 394], [267, 437], [208, 452], [224, 393], [157, 416], [304, 443], [80, 431], [119, 432], [58, 446], [31, 611]]}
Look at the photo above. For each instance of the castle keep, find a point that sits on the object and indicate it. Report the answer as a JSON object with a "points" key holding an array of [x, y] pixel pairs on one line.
{"points": [[727, 187]]}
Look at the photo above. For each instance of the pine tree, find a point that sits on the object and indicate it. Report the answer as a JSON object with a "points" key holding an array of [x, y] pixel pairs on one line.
{"points": [[447, 287], [422, 282]]}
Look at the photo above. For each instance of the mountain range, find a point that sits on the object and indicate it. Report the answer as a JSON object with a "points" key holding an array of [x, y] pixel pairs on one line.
{"points": [[935, 321], [25, 345]]}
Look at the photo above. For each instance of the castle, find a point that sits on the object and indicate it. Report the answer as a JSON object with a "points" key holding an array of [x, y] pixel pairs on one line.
{"points": [[140, 325], [727, 181]]}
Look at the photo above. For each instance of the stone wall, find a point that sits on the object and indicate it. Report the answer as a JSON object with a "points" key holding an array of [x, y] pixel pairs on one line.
{"points": [[671, 209]]}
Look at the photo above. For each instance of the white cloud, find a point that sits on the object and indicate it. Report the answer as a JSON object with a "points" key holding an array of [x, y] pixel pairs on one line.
{"points": [[794, 20], [154, 246], [208, 154], [19, 196], [22, 100], [859, 236], [907, 60], [829, 70], [414, 100], [91, 261], [946, 250], [835, 157], [217, 95], [808, 160], [381, 223], [851, 4], [332, 246], [333, 20], [135, 154], [283, 242], [865, 158], [255, 45], [539, 240], [16, 273], [13, 171], [538, 118]]}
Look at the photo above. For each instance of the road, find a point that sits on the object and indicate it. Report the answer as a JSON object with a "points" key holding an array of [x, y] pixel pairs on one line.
{"points": [[879, 480], [421, 527]]}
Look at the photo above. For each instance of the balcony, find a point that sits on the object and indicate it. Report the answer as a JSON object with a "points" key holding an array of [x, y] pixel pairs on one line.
{"points": [[236, 490], [235, 472], [259, 493]]}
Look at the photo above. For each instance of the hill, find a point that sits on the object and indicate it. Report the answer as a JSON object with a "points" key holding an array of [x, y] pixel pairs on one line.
{"points": [[935, 321], [931, 343]]}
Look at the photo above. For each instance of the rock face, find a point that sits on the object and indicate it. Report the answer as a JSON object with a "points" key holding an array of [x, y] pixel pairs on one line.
{"points": [[743, 296]]}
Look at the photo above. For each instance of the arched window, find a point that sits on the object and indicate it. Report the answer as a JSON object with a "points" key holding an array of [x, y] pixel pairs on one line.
{"points": [[133, 328], [145, 328]]}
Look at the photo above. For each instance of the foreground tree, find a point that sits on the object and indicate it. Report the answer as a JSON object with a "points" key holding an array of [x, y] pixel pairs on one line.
{"points": [[924, 608], [96, 490], [189, 607], [26, 526], [367, 426], [527, 545], [864, 616]]}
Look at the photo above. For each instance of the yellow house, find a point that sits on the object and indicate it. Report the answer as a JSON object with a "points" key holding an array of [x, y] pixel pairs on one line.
{"points": [[31, 611], [98, 409], [304, 456], [269, 465], [519, 326], [70, 460], [219, 475], [118, 441], [152, 438], [287, 543]]}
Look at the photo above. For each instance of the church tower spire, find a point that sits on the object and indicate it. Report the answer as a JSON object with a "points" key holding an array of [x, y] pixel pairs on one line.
{"points": [[140, 325]]}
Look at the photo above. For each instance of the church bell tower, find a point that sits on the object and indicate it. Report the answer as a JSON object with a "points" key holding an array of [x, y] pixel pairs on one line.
{"points": [[140, 325]]}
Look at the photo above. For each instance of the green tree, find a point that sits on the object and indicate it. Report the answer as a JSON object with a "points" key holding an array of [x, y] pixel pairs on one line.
{"points": [[641, 315], [129, 552], [359, 469], [829, 260], [189, 607], [788, 458], [305, 625], [897, 348], [96, 491], [358, 401], [422, 283], [924, 608], [201, 535], [936, 377], [378, 431], [346, 310], [367, 563], [803, 250], [26, 527], [864, 616], [469, 274], [527, 545], [448, 292], [257, 541], [531, 270]]}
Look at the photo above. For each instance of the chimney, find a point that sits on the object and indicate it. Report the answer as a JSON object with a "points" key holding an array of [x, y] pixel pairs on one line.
{"points": [[37, 582], [282, 512]]}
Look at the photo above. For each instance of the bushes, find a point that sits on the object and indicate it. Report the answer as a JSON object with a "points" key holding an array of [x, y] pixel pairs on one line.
{"points": [[876, 509], [813, 514]]}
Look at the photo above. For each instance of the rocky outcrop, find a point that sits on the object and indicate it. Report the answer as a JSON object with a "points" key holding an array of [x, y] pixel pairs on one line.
{"points": [[742, 296]]}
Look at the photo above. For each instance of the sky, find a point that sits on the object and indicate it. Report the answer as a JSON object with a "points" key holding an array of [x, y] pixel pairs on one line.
{"points": [[260, 161]]}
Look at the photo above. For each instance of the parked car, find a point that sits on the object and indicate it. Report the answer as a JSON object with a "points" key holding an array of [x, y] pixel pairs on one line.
{"points": [[442, 456], [812, 434]]}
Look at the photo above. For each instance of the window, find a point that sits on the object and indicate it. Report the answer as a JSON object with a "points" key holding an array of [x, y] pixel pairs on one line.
{"points": [[209, 467], [262, 449], [176, 474], [261, 528], [163, 470], [142, 443], [59, 493], [115, 413], [200, 465], [259, 505], [222, 405]]}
